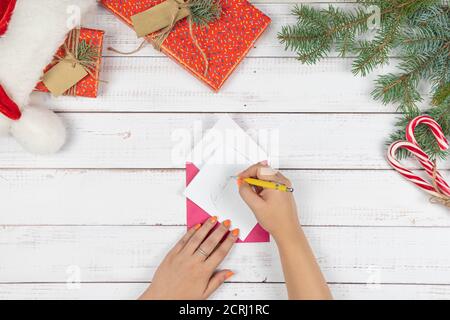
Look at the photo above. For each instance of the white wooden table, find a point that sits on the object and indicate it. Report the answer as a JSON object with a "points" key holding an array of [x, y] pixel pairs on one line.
{"points": [[106, 209]]}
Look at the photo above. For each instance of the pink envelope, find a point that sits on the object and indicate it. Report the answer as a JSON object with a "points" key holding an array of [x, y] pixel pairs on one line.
{"points": [[195, 214]]}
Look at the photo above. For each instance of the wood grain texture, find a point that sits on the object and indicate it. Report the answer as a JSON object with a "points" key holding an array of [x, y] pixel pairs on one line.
{"points": [[248, 291], [154, 197], [122, 37], [114, 218], [310, 141], [147, 84], [142, 84], [104, 254]]}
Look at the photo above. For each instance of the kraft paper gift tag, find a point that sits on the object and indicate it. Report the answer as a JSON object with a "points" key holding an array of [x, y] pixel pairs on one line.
{"points": [[158, 17], [63, 76]]}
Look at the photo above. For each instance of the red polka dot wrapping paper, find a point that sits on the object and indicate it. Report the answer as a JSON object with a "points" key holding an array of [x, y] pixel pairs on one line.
{"points": [[225, 41], [88, 86]]}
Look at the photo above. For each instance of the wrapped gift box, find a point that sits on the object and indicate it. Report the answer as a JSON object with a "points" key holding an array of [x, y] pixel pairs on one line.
{"points": [[225, 41], [88, 86]]}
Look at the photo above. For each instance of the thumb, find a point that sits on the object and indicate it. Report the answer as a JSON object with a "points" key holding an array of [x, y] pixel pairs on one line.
{"points": [[216, 281], [253, 200]]}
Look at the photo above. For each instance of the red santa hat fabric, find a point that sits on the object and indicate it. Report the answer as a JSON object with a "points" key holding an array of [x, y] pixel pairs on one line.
{"points": [[8, 107], [31, 32], [6, 10]]}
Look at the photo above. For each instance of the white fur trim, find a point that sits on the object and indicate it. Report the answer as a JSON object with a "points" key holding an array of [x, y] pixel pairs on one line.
{"points": [[39, 130], [36, 31]]}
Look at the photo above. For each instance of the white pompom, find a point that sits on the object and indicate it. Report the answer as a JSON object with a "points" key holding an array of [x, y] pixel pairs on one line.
{"points": [[5, 125], [39, 130]]}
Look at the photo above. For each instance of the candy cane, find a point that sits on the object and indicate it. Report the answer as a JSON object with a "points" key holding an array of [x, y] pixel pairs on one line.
{"points": [[433, 125], [443, 145], [408, 174]]}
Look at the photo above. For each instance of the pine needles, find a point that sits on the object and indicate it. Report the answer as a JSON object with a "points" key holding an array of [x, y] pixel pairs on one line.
{"points": [[416, 30], [205, 11], [87, 54], [86, 51]]}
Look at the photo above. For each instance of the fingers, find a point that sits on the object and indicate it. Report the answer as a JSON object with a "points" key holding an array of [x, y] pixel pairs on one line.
{"points": [[249, 195], [200, 235], [208, 246], [187, 236], [267, 173], [216, 281], [281, 178], [256, 198], [255, 170], [216, 258], [262, 171]]}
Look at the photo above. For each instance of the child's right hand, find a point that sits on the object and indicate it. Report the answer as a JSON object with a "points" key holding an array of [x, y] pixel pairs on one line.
{"points": [[275, 210]]}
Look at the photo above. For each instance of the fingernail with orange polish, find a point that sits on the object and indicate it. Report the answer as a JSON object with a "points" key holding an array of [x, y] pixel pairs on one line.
{"points": [[227, 223], [229, 274], [239, 181], [197, 226], [235, 232], [213, 219]]}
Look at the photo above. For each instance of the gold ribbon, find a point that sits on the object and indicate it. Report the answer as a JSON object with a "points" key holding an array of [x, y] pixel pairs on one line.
{"points": [[158, 38], [441, 197]]}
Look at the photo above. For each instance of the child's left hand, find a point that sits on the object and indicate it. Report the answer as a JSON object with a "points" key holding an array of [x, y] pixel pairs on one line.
{"points": [[188, 270]]}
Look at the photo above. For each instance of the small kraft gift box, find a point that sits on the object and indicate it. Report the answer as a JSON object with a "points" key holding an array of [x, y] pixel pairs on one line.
{"points": [[75, 69]]}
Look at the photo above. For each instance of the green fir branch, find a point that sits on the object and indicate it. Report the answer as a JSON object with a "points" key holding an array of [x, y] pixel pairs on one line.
{"points": [[424, 137], [204, 12], [87, 54], [418, 31], [86, 51]]}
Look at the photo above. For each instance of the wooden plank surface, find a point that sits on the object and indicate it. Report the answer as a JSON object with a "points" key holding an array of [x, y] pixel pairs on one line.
{"points": [[154, 197], [132, 253], [142, 84], [306, 141], [147, 84], [95, 206], [120, 36], [249, 291]]}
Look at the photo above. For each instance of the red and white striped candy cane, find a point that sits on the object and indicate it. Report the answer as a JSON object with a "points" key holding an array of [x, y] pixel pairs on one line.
{"points": [[434, 127], [442, 142], [408, 174]]}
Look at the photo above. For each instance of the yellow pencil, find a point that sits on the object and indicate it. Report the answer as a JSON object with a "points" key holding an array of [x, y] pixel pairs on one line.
{"points": [[267, 184]]}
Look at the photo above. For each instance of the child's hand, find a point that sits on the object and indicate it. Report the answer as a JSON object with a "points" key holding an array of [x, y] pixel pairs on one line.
{"points": [[188, 270], [275, 210]]}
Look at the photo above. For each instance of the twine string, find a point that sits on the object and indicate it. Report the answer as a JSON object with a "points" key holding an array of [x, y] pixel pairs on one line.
{"points": [[71, 46], [441, 197], [202, 52], [158, 39]]}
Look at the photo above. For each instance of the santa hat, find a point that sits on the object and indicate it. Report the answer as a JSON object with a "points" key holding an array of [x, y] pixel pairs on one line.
{"points": [[31, 31]]}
